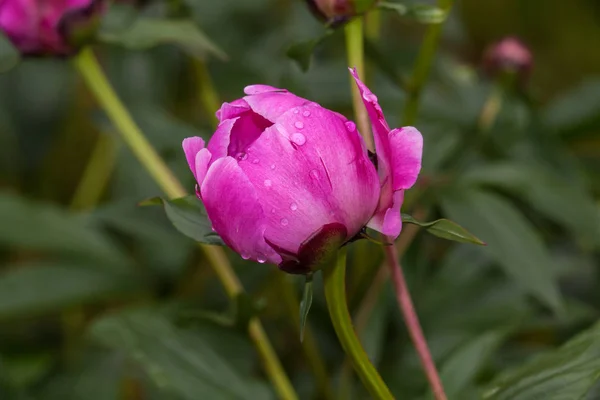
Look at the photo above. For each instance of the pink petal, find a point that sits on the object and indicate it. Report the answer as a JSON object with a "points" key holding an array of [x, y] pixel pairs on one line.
{"points": [[258, 89], [191, 147], [232, 110], [232, 205], [407, 149], [389, 220], [234, 136], [202, 163], [271, 105], [309, 171]]}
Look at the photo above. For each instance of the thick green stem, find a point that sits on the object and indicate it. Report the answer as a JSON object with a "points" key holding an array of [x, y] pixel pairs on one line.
{"points": [[206, 90], [356, 59], [90, 70], [423, 66], [334, 279], [96, 174]]}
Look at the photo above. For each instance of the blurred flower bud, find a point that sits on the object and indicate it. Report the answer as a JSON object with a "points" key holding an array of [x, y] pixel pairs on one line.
{"points": [[508, 55], [50, 27], [336, 11]]}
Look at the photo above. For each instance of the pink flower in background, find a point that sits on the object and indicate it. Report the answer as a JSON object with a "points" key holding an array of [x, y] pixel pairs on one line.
{"points": [[49, 27], [508, 55], [287, 181]]}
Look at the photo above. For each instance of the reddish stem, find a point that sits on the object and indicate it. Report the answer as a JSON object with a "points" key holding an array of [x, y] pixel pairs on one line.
{"points": [[412, 322]]}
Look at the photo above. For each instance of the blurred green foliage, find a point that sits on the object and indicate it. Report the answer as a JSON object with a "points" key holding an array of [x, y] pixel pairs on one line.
{"points": [[95, 303]]}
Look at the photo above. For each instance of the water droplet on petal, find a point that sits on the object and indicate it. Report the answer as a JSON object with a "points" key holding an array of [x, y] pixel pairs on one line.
{"points": [[245, 256], [298, 138], [241, 156], [296, 111], [370, 97], [261, 258], [255, 161], [306, 113], [272, 166], [293, 206], [314, 174], [268, 183], [351, 126], [299, 124], [284, 221]]}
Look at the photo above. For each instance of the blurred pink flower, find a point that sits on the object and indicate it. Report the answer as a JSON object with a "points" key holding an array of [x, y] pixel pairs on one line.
{"points": [[49, 27], [286, 181], [508, 55], [338, 11]]}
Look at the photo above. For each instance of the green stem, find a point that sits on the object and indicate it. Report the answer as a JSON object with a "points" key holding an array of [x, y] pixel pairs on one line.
{"points": [[356, 58], [423, 66], [208, 95], [334, 279], [90, 70], [96, 174], [309, 345]]}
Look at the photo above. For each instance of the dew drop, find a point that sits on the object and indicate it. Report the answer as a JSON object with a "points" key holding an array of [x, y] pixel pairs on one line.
{"points": [[314, 174], [299, 124], [306, 113], [298, 138], [370, 97], [272, 166], [245, 256], [351, 126], [268, 183], [255, 161], [296, 111], [261, 258], [284, 221], [293, 206], [241, 156]]}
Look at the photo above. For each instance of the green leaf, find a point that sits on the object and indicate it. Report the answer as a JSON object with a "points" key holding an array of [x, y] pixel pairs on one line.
{"points": [[9, 55], [422, 13], [561, 201], [461, 368], [27, 289], [146, 32], [188, 215], [306, 303], [566, 373], [512, 242], [301, 52], [178, 362], [445, 229], [38, 226]]}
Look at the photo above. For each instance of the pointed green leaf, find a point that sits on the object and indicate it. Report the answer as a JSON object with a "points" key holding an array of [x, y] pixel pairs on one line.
{"points": [[422, 13], [38, 226], [569, 372], [9, 55], [50, 287], [188, 216], [146, 32], [445, 229], [512, 242], [301, 52], [306, 303], [181, 364]]}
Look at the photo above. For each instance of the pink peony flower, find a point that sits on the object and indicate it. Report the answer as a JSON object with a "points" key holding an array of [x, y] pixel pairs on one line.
{"points": [[49, 27], [287, 181], [508, 55]]}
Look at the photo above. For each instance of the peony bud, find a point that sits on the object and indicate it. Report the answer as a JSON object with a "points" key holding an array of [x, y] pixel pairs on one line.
{"points": [[50, 27], [508, 55], [287, 181], [336, 11]]}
